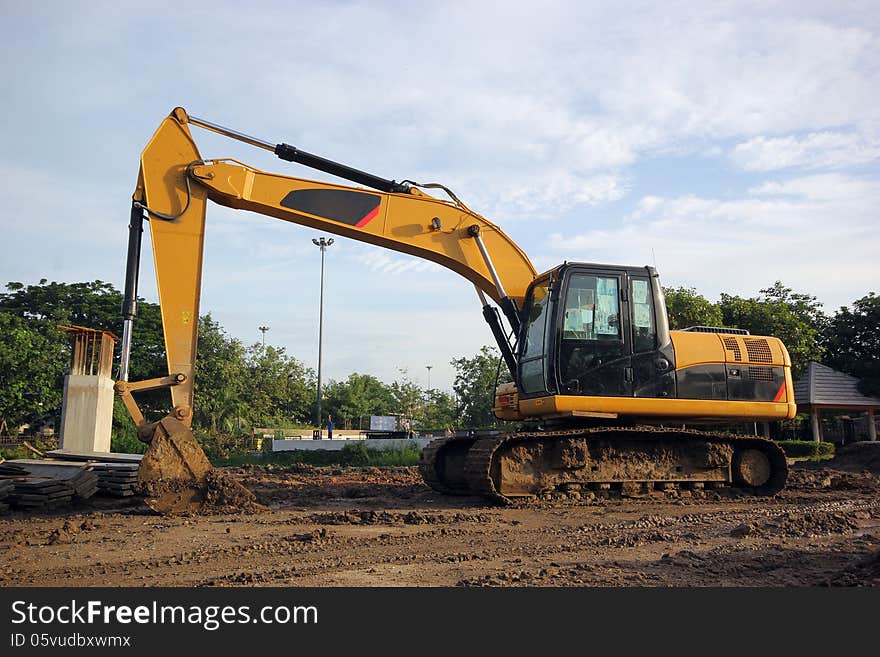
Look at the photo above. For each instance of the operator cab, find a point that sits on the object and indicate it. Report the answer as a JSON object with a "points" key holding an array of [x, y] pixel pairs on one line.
{"points": [[595, 330]]}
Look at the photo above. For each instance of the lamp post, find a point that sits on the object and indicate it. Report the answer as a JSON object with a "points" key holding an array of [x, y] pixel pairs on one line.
{"points": [[322, 244], [263, 330], [428, 367], [287, 393]]}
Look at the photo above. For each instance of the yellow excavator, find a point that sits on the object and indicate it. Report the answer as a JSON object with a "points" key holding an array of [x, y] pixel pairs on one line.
{"points": [[601, 386]]}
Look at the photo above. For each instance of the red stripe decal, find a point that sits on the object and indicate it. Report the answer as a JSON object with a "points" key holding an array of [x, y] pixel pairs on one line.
{"points": [[368, 217], [780, 394]]}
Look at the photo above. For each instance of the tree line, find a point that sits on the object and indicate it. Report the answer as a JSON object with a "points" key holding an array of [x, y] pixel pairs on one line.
{"points": [[847, 340], [239, 386]]}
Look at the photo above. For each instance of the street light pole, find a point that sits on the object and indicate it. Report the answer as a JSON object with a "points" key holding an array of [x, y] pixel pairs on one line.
{"points": [[428, 367], [322, 244], [263, 330]]}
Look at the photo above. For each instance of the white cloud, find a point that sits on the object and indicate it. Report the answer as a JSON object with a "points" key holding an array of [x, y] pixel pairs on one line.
{"points": [[543, 196], [536, 116], [386, 262], [816, 150], [821, 187], [817, 234]]}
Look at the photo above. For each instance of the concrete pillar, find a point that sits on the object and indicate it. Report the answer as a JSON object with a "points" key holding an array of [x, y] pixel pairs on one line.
{"points": [[872, 427], [87, 413], [816, 426]]}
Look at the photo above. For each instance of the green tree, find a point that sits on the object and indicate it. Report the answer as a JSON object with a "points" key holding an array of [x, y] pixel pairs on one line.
{"points": [[686, 307], [796, 319], [805, 306], [475, 387], [95, 305], [439, 410], [407, 397], [219, 378], [259, 385], [353, 400], [277, 387], [32, 358], [852, 342]]}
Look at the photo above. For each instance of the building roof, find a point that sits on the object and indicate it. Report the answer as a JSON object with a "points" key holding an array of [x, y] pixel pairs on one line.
{"points": [[823, 386]]}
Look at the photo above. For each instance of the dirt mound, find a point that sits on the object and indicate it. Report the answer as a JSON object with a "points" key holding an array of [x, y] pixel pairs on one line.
{"points": [[857, 457], [812, 477], [64, 534], [809, 525], [303, 486], [219, 493], [69, 530], [225, 494], [805, 525]]}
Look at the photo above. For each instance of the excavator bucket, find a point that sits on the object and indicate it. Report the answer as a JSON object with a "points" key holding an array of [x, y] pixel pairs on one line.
{"points": [[173, 472], [177, 478]]}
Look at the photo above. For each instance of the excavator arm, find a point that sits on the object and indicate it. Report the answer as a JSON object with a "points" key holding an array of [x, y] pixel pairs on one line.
{"points": [[175, 184], [173, 189]]}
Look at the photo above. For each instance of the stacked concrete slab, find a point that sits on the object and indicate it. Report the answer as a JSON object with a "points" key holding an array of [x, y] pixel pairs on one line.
{"points": [[78, 476], [116, 473], [40, 494], [47, 484], [117, 479], [6, 486]]}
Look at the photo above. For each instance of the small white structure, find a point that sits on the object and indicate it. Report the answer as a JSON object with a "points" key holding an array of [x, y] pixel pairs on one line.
{"points": [[87, 406]]}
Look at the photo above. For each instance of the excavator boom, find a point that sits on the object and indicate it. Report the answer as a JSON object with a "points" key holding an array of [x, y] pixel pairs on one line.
{"points": [[174, 186]]}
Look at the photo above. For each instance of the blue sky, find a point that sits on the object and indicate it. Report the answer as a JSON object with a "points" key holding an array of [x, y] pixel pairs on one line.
{"points": [[733, 144]]}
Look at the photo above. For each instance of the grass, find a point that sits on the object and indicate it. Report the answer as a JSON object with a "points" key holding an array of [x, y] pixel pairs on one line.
{"points": [[15, 452], [355, 454], [808, 450]]}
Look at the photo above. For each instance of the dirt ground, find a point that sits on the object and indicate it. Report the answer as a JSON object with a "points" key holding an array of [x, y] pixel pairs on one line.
{"points": [[383, 527]]}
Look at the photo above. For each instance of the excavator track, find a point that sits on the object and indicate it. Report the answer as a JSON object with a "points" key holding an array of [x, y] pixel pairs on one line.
{"points": [[442, 465], [628, 460]]}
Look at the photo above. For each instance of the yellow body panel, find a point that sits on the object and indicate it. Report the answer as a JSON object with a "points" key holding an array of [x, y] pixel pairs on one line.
{"points": [[658, 408], [696, 348], [693, 348], [177, 247]]}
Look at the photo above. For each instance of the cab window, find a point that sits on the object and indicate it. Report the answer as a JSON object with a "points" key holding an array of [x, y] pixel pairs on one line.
{"points": [[592, 308], [591, 327], [644, 331]]}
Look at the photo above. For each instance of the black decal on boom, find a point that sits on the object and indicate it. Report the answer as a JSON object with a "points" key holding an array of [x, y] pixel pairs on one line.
{"points": [[352, 208]]}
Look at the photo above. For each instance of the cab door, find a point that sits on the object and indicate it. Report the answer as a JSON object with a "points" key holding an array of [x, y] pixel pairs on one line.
{"points": [[536, 374], [594, 354], [653, 373]]}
